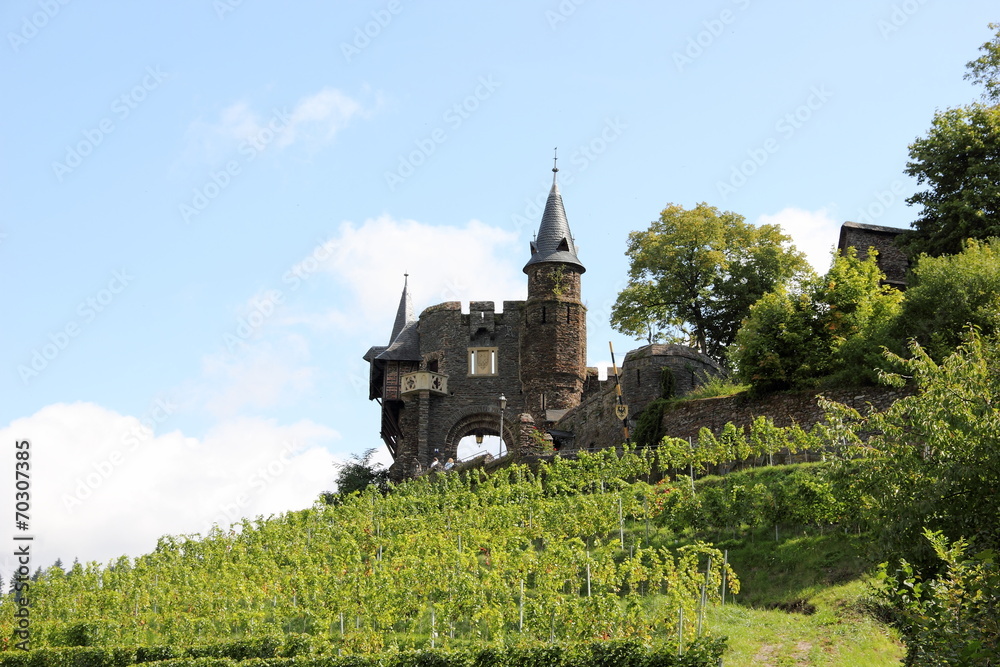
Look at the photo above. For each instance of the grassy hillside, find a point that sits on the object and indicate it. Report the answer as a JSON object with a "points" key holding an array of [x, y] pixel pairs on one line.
{"points": [[803, 601], [574, 551]]}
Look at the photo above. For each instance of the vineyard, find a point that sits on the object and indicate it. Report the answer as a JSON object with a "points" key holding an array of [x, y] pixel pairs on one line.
{"points": [[547, 555]]}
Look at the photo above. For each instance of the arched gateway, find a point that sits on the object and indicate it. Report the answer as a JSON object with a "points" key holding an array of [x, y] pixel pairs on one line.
{"points": [[481, 421]]}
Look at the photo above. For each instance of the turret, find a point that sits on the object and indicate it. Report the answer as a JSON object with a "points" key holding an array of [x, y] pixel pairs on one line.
{"points": [[388, 363], [554, 329]]}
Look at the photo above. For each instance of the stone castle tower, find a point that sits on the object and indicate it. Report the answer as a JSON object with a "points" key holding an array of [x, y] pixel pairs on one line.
{"points": [[554, 329], [441, 376]]}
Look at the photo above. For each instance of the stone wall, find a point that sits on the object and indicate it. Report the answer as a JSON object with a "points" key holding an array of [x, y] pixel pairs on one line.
{"points": [[594, 424], [642, 368], [433, 424], [784, 409], [891, 260], [553, 341]]}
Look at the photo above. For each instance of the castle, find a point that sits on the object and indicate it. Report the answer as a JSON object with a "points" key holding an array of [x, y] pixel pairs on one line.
{"points": [[441, 375]]}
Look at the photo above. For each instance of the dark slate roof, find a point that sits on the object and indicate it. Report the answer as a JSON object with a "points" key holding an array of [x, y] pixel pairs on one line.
{"points": [[554, 242], [374, 351], [404, 345], [404, 313]]}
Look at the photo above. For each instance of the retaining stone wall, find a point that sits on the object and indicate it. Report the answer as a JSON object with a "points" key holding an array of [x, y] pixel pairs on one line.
{"points": [[594, 423]]}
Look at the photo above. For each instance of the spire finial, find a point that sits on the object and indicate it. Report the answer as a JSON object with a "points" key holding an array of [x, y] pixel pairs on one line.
{"points": [[555, 164]]}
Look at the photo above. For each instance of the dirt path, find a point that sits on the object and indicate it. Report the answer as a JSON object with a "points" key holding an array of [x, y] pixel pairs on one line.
{"points": [[764, 655]]}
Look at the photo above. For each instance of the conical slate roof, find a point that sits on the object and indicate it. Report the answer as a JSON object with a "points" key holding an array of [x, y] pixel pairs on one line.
{"points": [[404, 343], [554, 242], [404, 313]]}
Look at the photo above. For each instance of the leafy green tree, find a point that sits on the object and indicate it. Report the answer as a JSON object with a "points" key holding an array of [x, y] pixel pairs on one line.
{"points": [[959, 162], [949, 293], [857, 312], [985, 70], [951, 619], [777, 346], [931, 460], [835, 326], [694, 274], [359, 473]]}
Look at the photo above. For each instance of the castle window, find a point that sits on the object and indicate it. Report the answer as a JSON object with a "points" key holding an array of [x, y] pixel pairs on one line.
{"points": [[567, 314], [432, 365], [544, 402], [543, 314], [482, 361]]}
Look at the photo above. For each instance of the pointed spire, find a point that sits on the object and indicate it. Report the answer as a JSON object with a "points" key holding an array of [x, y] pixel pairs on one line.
{"points": [[404, 345], [404, 313], [554, 242]]}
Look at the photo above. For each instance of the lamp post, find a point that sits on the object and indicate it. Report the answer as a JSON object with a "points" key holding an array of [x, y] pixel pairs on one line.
{"points": [[503, 406]]}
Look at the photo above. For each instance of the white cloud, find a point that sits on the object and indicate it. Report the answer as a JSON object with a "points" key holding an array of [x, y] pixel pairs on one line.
{"points": [[319, 117], [265, 360], [314, 120], [445, 263], [259, 375], [101, 486], [815, 233]]}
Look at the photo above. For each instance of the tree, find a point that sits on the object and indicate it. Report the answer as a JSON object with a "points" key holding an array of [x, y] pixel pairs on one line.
{"points": [[932, 459], [985, 70], [959, 161], [359, 473], [833, 328], [949, 293], [694, 274], [776, 348], [951, 619]]}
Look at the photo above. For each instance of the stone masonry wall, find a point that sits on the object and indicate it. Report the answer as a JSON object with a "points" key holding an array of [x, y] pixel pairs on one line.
{"points": [[891, 259], [446, 334], [595, 426], [553, 343], [593, 422], [642, 367], [784, 409]]}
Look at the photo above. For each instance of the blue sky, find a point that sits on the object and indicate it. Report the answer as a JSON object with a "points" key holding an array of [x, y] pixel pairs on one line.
{"points": [[208, 205]]}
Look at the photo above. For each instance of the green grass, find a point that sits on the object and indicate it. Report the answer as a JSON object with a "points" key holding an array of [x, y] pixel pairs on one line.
{"points": [[715, 388], [837, 633], [801, 603]]}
